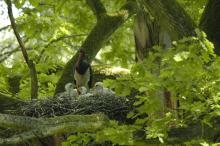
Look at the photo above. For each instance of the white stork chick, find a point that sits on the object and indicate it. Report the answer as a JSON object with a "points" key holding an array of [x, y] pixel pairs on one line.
{"points": [[101, 90], [70, 91], [82, 90]]}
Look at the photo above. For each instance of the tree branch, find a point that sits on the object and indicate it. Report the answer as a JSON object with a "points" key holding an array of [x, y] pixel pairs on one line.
{"points": [[44, 127], [5, 27], [97, 8], [7, 54], [101, 32], [30, 63], [64, 37], [40, 128], [57, 40]]}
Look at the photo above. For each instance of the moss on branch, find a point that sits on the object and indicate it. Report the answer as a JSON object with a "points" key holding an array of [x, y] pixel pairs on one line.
{"points": [[44, 127]]}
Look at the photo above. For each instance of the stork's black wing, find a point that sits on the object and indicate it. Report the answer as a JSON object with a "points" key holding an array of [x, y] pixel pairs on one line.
{"points": [[91, 77]]}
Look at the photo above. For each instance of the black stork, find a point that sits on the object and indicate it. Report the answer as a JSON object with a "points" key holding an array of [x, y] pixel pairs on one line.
{"points": [[82, 71]]}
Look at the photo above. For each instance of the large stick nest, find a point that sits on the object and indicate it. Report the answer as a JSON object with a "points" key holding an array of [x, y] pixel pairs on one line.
{"points": [[114, 107]]}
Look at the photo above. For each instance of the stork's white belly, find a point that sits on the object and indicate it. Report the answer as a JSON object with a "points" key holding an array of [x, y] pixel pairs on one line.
{"points": [[82, 80]]}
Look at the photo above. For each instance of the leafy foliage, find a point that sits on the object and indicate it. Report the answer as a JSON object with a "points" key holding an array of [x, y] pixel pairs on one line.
{"points": [[53, 30], [189, 71], [54, 33], [194, 8]]}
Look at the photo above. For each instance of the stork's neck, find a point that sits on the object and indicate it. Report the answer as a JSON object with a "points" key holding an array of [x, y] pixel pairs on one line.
{"points": [[82, 65], [80, 59]]}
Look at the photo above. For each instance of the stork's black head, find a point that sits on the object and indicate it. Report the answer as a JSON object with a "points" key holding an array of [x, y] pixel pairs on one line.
{"points": [[82, 63], [81, 57], [81, 52]]}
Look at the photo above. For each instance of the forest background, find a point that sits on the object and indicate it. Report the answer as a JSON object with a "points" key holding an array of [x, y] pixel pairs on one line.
{"points": [[168, 50]]}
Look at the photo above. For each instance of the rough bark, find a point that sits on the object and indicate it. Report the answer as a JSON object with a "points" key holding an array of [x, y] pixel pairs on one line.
{"points": [[103, 29], [172, 17], [146, 33], [210, 23]]}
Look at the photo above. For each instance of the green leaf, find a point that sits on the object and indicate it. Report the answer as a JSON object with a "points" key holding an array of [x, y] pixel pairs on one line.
{"points": [[19, 3], [143, 89], [181, 56], [34, 3]]}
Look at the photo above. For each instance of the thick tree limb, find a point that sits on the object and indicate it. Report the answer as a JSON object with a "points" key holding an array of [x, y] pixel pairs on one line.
{"points": [[97, 7], [101, 32], [30, 63], [23, 122], [46, 131], [40, 128], [17, 122]]}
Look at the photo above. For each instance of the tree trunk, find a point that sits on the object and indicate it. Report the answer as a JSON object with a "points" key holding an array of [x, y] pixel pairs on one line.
{"points": [[172, 17], [210, 23], [104, 28], [171, 22]]}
